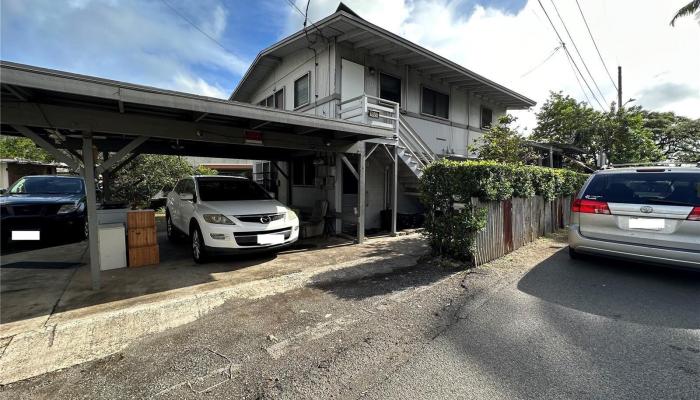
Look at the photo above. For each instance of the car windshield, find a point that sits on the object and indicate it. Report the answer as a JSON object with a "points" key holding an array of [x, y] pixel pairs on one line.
{"points": [[670, 188], [230, 189], [47, 185]]}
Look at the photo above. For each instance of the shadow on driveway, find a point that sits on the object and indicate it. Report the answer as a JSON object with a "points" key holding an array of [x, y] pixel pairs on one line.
{"points": [[619, 290]]}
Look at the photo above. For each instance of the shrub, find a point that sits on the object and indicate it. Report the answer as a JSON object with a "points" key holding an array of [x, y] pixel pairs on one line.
{"points": [[447, 187]]}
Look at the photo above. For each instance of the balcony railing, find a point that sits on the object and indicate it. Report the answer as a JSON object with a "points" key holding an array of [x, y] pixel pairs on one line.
{"points": [[372, 111]]}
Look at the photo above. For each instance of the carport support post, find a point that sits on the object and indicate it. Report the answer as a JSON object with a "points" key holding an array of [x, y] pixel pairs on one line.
{"points": [[89, 176], [361, 195], [395, 191], [106, 180]]}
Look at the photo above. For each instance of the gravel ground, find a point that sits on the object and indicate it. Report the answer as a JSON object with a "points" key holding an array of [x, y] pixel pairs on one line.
{"points": [[531, 325]]}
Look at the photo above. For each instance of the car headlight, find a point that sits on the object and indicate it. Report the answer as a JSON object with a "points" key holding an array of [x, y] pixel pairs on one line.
{"points": [[292, 216], [68, 208], [217, 219]]}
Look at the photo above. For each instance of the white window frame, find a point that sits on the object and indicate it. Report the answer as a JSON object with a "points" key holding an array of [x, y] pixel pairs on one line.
{"points": [[294, 94]]}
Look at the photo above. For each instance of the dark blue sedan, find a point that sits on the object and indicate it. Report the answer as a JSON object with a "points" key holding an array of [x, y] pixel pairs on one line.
{"points": [[44, 207]]}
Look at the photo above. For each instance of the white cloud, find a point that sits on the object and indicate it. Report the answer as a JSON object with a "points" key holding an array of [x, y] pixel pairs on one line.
{"points": [[503, 46], [141, 42], [192, 84]]}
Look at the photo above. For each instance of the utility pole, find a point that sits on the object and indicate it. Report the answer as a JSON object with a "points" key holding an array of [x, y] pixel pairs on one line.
{"points": [[619, 87]]}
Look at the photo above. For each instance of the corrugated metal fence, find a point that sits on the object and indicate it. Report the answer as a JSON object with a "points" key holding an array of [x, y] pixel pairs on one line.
{"points": [[516, 222]]}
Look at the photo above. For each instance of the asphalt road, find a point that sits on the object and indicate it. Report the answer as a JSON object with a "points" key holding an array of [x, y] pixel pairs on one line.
{"points": [[532, 325], [593, 328]]}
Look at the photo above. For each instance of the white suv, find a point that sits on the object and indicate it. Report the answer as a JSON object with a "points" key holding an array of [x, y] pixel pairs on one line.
{"points": [[222, 214]]}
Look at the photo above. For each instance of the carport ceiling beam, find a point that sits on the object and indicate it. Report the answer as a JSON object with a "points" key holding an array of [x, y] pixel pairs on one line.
{"points": [[121, 165], [118, 156], [17, 92], [369, 153], [141, 125], [349, 165], [56, 153], [277, 167]]}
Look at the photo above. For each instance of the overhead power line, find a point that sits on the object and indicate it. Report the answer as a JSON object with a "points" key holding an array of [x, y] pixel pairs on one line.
{"points": [[570, 57], [542, 63], [607, 71], [579, 81], [583, 61], [189, 21], [306, 18]]}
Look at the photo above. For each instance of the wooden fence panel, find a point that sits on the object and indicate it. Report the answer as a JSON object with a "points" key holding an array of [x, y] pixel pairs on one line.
{"points": [[513, 223]]}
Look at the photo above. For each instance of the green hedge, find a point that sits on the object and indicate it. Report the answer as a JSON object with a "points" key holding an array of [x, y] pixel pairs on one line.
{"points": [[451, 229]]}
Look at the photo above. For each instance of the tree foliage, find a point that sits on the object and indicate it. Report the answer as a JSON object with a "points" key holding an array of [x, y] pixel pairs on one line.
{"points": [[146, 174], [693, 7], [447, 187], [24, 148], [623, 135], [678, 138], [503, 143]]}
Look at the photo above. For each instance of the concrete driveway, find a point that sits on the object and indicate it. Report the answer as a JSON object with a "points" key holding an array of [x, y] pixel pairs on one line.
{"points": [[533, 324]]}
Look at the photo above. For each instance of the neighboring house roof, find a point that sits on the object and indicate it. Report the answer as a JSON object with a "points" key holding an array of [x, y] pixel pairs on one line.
{"points": [[231, 167], [32, 162], [346, 26]]}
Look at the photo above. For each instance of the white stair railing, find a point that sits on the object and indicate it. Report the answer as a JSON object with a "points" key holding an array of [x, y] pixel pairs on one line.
{"points": [[411, 140], [384, 114], [370, 110]]}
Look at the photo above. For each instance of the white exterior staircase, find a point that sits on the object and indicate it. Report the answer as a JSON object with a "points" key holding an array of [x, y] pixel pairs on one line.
{"points": [[414, 152], [411, 149]]}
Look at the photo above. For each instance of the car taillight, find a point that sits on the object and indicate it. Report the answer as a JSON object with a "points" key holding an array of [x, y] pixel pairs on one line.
{"points": [[694, 215], [590, 206]]}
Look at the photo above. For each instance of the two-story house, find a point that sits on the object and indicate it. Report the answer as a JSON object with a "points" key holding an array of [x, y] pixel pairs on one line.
{"points": [[347, 68]]}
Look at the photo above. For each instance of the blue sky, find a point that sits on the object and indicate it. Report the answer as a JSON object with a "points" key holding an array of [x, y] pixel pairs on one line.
{"points": [[151, 42], [147, 42]]}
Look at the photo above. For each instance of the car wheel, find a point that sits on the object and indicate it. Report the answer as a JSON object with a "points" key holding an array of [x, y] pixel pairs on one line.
{"points": [[198, 249], [170, 229], [573, 254]]}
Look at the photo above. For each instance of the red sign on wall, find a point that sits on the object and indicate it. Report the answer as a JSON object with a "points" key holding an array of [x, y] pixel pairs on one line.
{"points": [[253, 137]]}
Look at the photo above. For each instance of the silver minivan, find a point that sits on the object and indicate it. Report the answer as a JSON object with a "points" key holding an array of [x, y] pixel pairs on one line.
{"points": [[648, 214]]}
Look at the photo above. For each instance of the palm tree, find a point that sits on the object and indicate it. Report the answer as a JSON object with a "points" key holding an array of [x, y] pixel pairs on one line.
{"points": [[688, 9]]}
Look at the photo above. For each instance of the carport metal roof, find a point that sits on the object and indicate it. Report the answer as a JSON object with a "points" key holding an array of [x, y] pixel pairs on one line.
{"points": [[59, 106]]}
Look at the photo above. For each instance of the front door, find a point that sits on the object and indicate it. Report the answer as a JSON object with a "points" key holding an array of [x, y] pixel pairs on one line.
{"points": [[352, 80]]}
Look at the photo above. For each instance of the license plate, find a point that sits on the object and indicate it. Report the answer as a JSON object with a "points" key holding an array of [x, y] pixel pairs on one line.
{"points": [[26, 235], [647, 223], [271, 238]]}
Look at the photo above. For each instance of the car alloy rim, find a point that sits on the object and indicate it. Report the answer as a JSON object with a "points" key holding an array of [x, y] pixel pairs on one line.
{"points": [[86, 228], [195, 244]]}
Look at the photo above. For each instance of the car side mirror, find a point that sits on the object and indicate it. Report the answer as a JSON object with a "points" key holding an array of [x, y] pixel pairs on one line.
{"points": [[3, 191], [271, 194], [186, 196]]}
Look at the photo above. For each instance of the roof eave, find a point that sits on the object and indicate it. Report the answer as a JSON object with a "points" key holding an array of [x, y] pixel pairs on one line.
{"points": [[524, 101]]}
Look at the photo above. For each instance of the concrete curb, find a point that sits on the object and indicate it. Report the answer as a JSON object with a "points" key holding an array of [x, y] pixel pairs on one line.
{"points": [[72, 342]]}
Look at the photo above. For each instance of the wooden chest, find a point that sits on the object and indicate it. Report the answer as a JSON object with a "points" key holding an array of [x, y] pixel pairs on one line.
{"points": [[146, 255], [142, 238]]}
